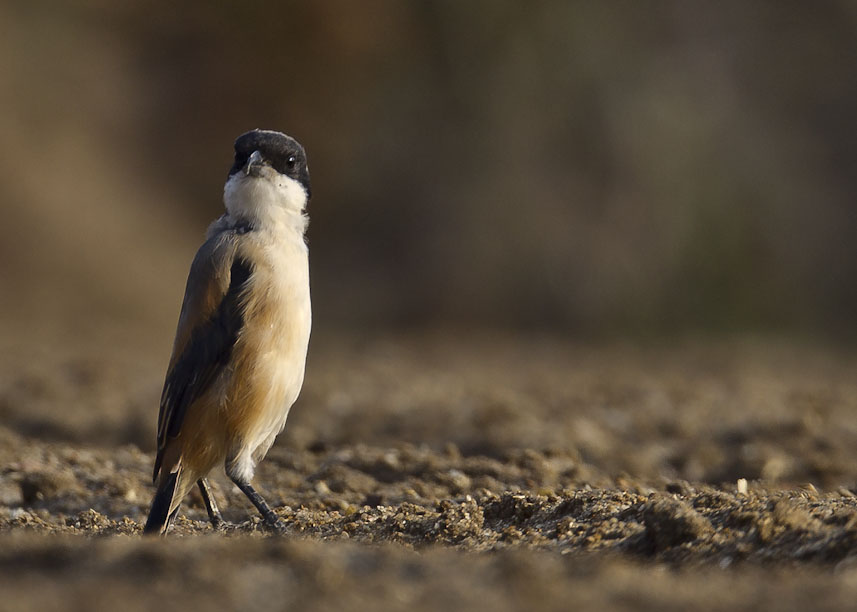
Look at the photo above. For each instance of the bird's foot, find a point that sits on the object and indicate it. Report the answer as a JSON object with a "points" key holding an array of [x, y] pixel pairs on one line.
{"points": [[275, 524]]}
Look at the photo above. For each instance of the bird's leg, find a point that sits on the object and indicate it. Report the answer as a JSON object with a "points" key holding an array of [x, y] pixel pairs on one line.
{"points": [[270, 517], [210, 504]]}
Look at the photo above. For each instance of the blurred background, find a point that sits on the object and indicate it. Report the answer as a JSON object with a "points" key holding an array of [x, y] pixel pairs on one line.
{"points": [[549, 226], [589, 168]]}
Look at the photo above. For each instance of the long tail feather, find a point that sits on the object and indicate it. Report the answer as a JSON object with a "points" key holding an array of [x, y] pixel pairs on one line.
{"points": [[160, 516]]}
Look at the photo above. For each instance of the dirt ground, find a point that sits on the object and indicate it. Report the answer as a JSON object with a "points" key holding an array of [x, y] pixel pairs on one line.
{"points": [[441, 471]]}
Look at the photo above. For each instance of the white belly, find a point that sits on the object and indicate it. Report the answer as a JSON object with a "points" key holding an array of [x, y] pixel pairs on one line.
{"points": [[270, 355]]}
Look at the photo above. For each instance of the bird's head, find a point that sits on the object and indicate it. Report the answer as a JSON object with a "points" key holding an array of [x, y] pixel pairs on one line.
{"points": [[269, 176]]}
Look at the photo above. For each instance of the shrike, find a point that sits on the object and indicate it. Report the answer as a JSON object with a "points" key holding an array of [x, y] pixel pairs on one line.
{"points": [[238, 359]]}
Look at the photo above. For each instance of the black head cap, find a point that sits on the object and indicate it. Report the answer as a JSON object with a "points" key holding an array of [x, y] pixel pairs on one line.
{"points": [[283, 153]]}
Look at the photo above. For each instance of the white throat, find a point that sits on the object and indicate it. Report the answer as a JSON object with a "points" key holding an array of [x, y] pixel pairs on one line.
{"points": [[271, 201]]}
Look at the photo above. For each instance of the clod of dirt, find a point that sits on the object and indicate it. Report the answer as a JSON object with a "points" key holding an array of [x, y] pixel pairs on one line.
{"points": [[672, 522], [42, 485]]}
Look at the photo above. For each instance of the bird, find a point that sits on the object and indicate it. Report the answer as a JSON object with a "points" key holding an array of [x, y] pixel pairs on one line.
{"points": [[239, 356]]}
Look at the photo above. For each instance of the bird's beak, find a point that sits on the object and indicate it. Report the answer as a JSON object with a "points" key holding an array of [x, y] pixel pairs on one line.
{"points": [[254, 164]]}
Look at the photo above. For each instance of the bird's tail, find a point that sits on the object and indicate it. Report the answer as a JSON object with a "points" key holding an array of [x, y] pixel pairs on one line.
{"points": [[164, 505]]}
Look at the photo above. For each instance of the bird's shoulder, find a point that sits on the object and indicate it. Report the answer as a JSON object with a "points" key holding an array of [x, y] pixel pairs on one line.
{"points": [[208, 281]]}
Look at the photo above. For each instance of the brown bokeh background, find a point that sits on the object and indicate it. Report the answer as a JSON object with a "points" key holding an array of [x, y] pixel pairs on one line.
{"points": [[591, 168]]}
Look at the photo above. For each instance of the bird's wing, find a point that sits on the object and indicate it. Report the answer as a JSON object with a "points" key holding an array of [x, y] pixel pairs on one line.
{"points": [[208, 327]]}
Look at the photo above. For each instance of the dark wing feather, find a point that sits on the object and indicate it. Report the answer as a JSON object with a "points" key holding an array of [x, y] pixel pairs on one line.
{"points": [[208, 328]]}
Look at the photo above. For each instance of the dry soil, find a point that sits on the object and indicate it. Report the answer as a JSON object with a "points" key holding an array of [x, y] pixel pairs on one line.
{"points": [[435, 472]]}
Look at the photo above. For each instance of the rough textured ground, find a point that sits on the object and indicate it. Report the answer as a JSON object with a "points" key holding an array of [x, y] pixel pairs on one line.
{"points": [[482, 472]]}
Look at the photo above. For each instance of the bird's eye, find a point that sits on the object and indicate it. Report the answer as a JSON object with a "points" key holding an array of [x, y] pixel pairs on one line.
{"points": [[292, 160]]}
